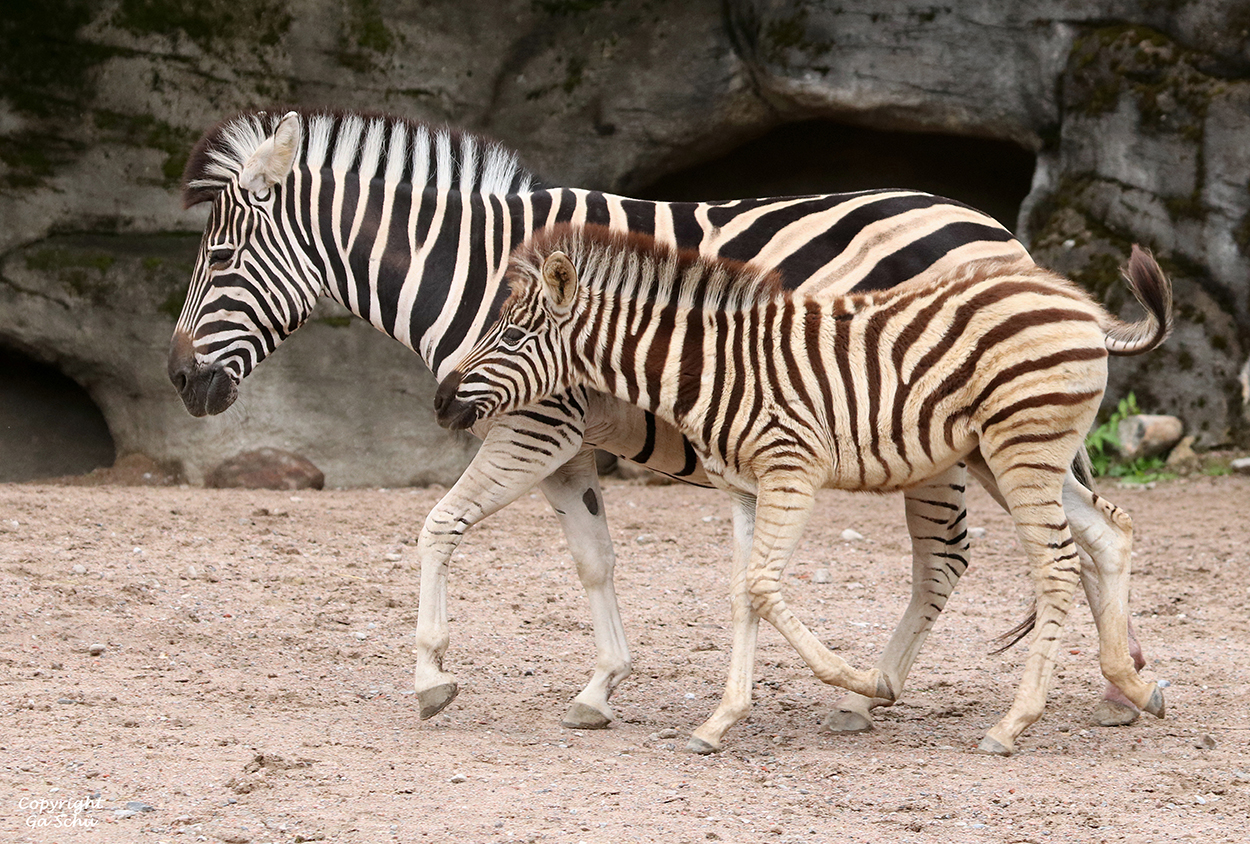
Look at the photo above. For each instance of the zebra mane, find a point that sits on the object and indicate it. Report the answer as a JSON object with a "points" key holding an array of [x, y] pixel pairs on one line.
{"points": [[388, 147], [604, 259]]}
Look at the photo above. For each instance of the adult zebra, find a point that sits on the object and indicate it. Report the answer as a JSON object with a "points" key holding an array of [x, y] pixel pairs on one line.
{"points": [[410, 228], [783, 394]]}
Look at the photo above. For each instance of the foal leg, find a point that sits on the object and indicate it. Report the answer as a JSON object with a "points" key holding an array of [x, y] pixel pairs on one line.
{"points": [[1034, 500], [1106, 533], [1097, 526], [736, 701], [937, 522]]}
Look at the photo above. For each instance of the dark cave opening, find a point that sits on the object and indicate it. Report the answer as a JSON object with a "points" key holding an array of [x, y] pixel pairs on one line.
{"points": [[819, 156], [49, 426]]}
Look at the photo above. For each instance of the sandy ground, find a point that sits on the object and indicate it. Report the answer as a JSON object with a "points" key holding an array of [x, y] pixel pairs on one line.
{"points": [[254, 683]]}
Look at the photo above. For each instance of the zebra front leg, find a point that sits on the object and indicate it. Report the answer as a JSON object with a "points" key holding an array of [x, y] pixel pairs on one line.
{"points": [[736, 701], [784, 505], [516, 454], [573, 492], [937, 522], [1105, 533]]}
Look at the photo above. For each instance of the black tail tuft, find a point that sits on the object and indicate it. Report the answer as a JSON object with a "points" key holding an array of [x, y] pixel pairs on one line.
{"points": [[1016, 633]]}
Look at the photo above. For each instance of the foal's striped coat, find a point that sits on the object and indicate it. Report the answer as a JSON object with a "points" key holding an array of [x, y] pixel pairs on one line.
{"points": [[783, 394]]}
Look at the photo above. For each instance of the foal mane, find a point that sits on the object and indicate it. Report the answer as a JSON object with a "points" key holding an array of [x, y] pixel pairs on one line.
{"points": [[666, 273]]}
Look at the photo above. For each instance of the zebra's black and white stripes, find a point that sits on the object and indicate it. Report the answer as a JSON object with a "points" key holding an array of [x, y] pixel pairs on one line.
{"points": [[783, 394], [410, 227]]}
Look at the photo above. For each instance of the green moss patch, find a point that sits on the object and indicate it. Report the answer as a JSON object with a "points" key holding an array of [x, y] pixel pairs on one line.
{"points": [[209, 23]]}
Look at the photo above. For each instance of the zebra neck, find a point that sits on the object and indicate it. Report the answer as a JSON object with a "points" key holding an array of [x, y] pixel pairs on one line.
{"points": [[427, 268]]}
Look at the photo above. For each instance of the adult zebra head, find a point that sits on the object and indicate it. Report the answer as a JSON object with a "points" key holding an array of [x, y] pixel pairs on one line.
{"points": [[251, 287]]}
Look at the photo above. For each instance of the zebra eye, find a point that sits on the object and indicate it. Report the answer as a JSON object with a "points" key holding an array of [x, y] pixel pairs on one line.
{"points": [[220, 258], [512, 337]]}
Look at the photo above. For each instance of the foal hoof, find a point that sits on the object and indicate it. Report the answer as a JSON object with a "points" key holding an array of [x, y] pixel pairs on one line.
{"points": [[846, 721], [434, 700], [699, 746], [1111, 713], [885, 691], [993, 747], [1156, 706], [583, 717]]}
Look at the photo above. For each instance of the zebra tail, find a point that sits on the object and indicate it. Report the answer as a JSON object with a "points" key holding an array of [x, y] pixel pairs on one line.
{"points": [[1153, 291], [1016, 633]]}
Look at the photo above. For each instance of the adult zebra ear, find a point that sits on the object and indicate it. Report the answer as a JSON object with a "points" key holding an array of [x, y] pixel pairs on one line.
{"points": [[274, 158], [559, 282]]}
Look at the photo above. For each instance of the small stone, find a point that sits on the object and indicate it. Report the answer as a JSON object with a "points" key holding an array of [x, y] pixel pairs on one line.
{"points": [[644, 539], [266, 468], [139, 806], [1148, 435], [976, 533], [822, 576], [79, 568], [66, 700], [362, 635], [1183, 453], [96, 649], [1205, 742], [851, 535], [1241, 465], [459, 778], [394, 557]]}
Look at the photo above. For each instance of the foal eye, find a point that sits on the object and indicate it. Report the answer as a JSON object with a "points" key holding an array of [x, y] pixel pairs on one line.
{"points": [[512, 337], [220, 258]]}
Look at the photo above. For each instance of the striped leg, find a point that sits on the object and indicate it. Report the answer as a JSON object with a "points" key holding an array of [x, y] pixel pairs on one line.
{"points": [[1034, 501], [937, 521], [1105, 533], [736, 700], [783, 507], [1103, 529], [516, 454]]}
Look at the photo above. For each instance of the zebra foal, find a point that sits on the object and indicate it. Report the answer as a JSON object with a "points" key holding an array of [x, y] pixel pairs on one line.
{"points": [[781, 394]]}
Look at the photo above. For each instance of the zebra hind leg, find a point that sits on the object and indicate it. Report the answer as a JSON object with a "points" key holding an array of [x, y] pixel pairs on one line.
{"points": [[1105, 533], [1105, 527], [937, 522]]}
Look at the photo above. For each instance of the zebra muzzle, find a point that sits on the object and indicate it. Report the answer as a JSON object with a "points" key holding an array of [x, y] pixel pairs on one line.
{"points": [[205, 390], [452, 413]]}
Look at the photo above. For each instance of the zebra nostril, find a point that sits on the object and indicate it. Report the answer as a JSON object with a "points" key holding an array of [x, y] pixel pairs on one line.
{"points": [[446, 392], [180, 381]]}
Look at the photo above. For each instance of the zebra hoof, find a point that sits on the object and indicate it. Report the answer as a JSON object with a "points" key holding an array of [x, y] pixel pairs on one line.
{"points": [[583, 717], [846, 721], [1110, 713], [699, 746], [434, 700], [885, 690], [1156, 706], [993, 747]]}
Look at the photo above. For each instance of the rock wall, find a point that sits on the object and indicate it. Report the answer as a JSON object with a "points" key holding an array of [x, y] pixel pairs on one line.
{"points": [[1137, 112]]}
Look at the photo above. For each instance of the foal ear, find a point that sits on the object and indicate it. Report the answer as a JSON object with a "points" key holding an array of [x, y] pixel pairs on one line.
{"points": [[559, 282], [274, 158]]}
